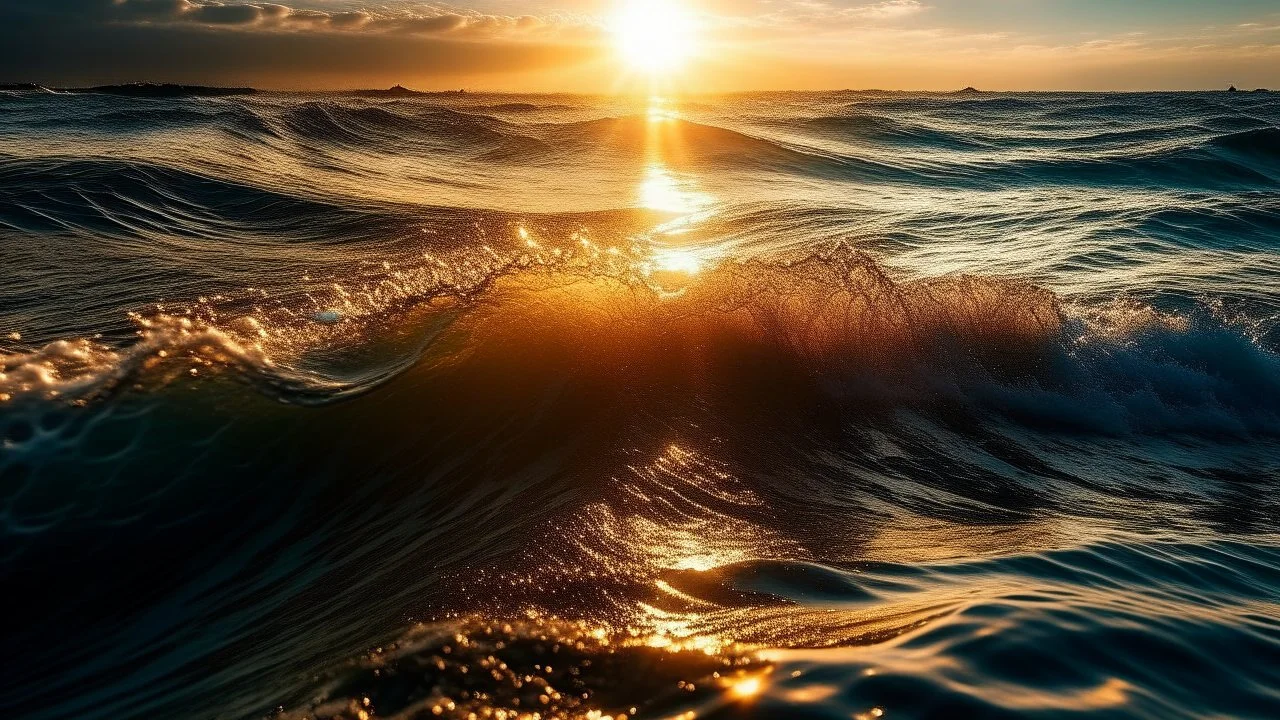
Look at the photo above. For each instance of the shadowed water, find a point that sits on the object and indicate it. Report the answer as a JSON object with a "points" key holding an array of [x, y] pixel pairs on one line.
{"points": [[781, 405]]}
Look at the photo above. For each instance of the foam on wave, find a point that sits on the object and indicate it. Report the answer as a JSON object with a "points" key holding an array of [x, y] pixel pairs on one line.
{"points": [[841, 316]]}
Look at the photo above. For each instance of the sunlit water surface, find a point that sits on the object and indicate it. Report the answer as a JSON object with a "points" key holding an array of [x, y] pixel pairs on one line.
{"points": [[848, 405]]}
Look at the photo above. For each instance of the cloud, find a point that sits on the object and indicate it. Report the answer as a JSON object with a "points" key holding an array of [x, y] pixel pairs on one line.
{"points": [[352, 19], [428, 24], [272, 11], [146, 9], [85, 42], [820, 12], [410, 18], [222, 14], [890, 9], [418, 18]]}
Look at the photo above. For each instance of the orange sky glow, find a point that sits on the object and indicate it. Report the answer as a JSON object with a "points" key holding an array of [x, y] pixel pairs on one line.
{"points": [[600, 45]]}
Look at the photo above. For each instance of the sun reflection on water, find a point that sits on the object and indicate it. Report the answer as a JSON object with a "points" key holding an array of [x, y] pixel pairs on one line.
{"points": [[662, 190], [679, 260], [747, 687]]}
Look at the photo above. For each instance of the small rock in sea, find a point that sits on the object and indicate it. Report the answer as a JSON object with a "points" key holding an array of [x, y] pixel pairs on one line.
{"points": [[329, 317]]}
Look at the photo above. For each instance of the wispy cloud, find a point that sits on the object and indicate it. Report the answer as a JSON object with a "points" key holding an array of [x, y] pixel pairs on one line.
{"points": [[415, 18], [888, 9]]}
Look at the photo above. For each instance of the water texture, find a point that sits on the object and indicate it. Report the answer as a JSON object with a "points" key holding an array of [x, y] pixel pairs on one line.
{"points": [[792, 405]]}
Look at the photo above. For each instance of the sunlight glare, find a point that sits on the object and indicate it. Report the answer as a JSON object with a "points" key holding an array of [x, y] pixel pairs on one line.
{"points": [[677, 261], [746, 688], [660, 191], [665, 192], [654, 36]]}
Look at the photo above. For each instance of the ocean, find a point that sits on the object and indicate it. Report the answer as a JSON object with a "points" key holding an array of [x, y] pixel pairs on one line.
{"points": [[781, 405]]}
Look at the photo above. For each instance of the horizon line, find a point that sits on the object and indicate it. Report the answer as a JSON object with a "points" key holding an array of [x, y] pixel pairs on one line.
{"points": [[454, 90]]}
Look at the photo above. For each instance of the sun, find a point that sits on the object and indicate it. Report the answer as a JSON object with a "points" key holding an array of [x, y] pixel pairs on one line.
{"points": [[654, 36]]}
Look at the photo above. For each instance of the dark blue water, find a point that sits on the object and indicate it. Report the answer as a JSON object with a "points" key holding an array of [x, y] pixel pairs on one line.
{"points": [[786, 405]]}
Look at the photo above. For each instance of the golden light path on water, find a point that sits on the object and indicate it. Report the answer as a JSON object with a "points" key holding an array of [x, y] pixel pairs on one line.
{"points": [[695, 530], [664, 190]]}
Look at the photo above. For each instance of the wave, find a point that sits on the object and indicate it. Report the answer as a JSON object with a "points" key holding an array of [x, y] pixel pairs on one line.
{"points": [[1187, 169], [1002, 104], [1134, 150], [19, 90], [1233, 123], [237, 121], [1262, 141], [964, 105], [121, 196], [321, 120], [519, 107], [680, 141], [165, 90], [879, 128], [833, 305], [1167, 156], [914, 640], [1106, 111], [399, 130], [1003, 345], [883, 396], [334, 123], [564, 669]]}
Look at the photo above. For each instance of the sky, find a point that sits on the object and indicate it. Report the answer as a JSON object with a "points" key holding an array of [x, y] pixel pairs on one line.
{"points": [[573, 45]]}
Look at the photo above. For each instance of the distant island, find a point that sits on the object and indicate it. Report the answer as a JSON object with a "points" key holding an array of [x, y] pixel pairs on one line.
{"points": [[152, 90], [399, 91], [162, 90], [392, 92], [173, 90]]}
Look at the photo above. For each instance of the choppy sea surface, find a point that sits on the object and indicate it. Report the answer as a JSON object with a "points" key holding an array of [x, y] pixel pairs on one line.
{"points": [[845, 405]]}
